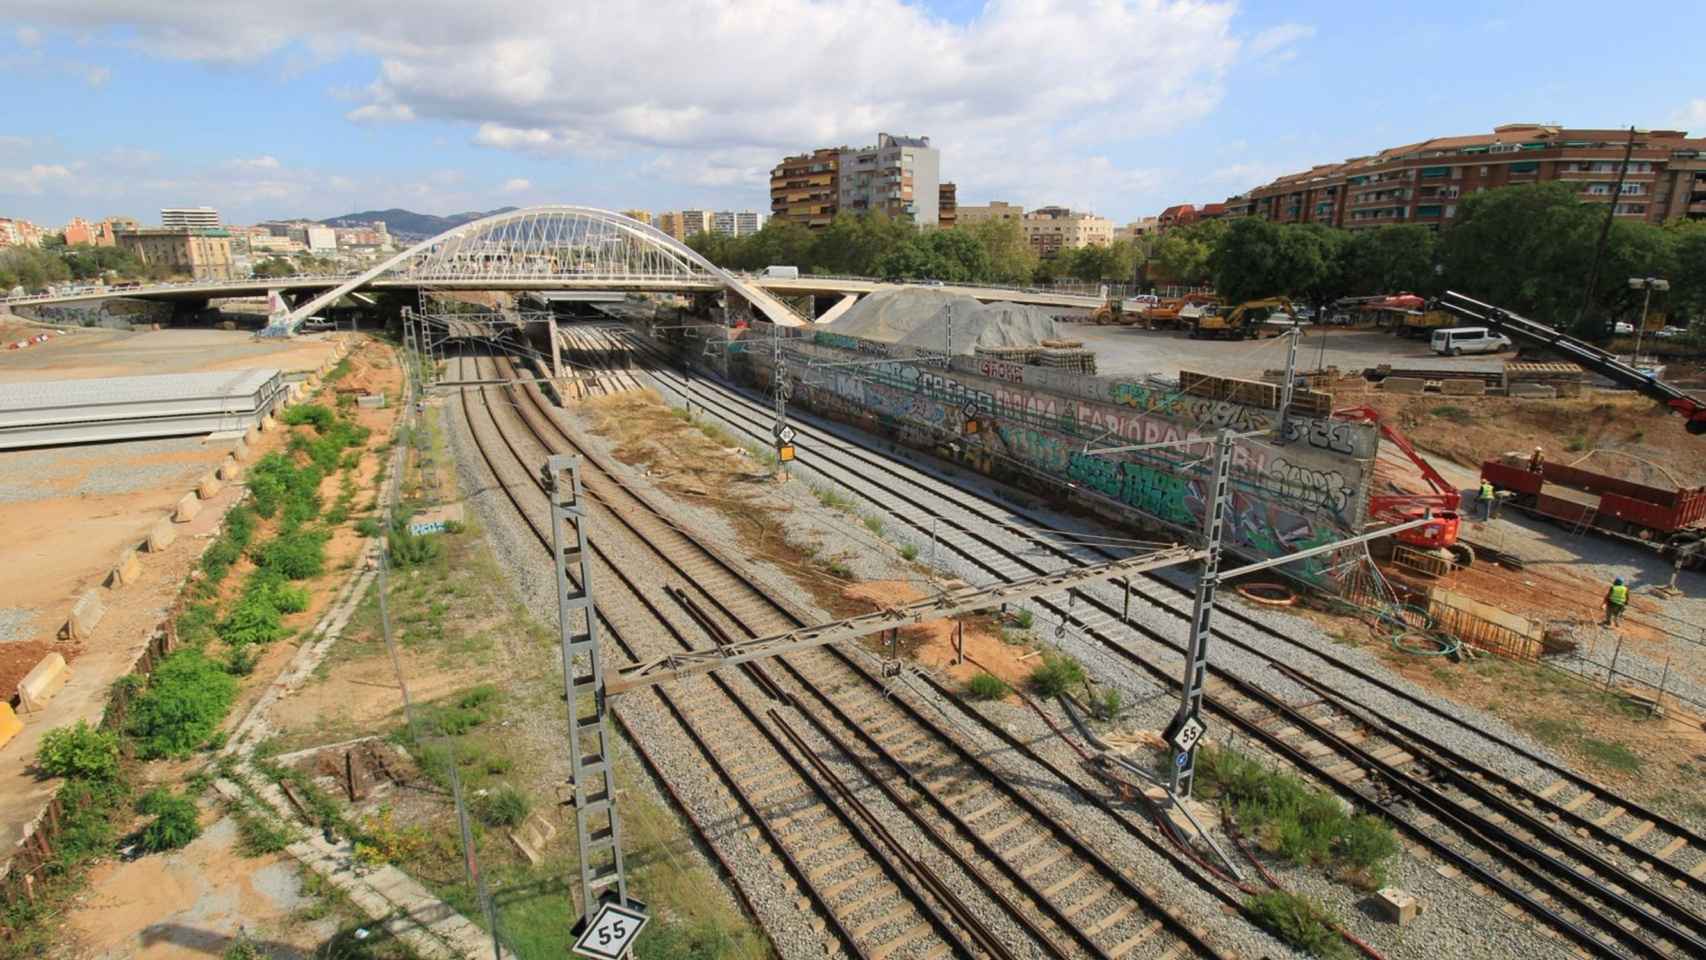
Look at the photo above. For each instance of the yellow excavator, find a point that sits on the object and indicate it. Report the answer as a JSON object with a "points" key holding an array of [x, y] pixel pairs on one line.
{"points": [[1240, 322]]}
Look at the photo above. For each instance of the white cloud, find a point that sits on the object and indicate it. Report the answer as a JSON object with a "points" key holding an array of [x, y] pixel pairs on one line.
{"points": [[97, 76], [27, 36], [1027, 95], [517, 185], [33, 178], [1692, 116], [1274, 39], [262, 162]]}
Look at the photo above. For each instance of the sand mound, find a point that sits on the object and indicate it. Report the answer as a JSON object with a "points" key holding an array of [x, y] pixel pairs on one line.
{"points": [[921, 318]]}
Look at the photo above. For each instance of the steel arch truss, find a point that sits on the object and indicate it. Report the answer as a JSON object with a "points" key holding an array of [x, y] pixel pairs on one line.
{"points": [[571, 245]]}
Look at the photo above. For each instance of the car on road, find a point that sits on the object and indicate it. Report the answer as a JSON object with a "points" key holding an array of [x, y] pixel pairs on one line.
{"points": [[1623, 328], [1456, 341], [1666, 333], [1340, 319]]}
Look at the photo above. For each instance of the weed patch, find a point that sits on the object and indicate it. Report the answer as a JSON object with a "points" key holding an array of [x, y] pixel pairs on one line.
{"points": [[1057, 674], [185, 700], [176, 821], [1302, 922], [986, 686]]}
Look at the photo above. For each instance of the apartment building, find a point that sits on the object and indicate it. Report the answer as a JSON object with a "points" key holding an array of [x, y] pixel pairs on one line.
{"points": [[1049, 230], [81, 231], [19, 233], [749, 222], [900, 176], [200, 218], [644, 216], [203, 254], [669, 221], [967, 216], [695, 221], [1424, 182], [805, 188], [947, 206], [1144, 227]]}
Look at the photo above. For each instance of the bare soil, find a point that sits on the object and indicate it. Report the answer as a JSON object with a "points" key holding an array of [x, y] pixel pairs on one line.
{"points": [[931, 643]]}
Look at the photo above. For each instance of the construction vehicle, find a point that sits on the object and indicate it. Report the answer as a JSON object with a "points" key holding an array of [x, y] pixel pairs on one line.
{"points": [[1671, 520], [1441, 501], [1590, 357], [1239, 323], [1111, 311], [1170, 311]]}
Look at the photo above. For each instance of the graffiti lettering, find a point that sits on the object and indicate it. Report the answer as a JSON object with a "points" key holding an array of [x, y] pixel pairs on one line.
{"points": [[1001, 370], [1320, 488], [1338, 436]]}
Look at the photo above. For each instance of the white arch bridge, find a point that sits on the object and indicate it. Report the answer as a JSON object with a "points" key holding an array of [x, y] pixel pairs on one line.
{"points": [[557, 247]]}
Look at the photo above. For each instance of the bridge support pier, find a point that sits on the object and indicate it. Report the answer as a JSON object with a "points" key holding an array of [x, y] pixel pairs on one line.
{"points": [[556, 346]]}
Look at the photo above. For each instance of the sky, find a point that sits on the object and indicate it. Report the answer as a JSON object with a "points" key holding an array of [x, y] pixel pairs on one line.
{"points": [[315, 108]]}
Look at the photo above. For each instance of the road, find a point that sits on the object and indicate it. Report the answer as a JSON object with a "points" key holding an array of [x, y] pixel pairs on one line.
{"points": [[1135, 352]]}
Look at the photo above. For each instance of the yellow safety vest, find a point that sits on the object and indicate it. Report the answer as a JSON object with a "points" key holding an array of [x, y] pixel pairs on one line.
{"points": [[1619, 594], [1486, 490]]}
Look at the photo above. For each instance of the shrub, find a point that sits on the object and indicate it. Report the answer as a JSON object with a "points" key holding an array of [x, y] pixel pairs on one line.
{"points": [[875, 525], [408, 550], [320, 416], [176, 821], [1107, 703], [383, 841], [186, 699], [198, 623], [296, 555], [909, 551], [271, 588], [503, 807], [1057, 674], [986, 686], [1366, 843], [241, 661], [368, 527], [251, 621], [259, 834], [79, 752], [1023, 619], [1301, 922]]}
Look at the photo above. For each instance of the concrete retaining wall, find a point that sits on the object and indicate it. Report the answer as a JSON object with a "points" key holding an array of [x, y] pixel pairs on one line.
{"points": [[1033, 423], [1533, 391]]}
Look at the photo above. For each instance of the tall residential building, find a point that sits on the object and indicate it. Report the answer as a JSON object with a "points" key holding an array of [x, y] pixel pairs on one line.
{"points": [[315, 237], [748, 222], [198, 253], [695, 221], [1424, 182], [947, 206], [1049, 230], [900, 176], [644, 216], [805, 188], [202, 218], [669, 222], [994, 210]]}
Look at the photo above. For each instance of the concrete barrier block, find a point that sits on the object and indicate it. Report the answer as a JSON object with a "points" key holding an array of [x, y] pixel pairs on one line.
{"points": [[252, 436], [371, 400], [268, 423], [1463, 388], [1403, 384], [240, 451], [209, 486], [43, 681], [188, 507], [231, 471], [129, 568], [10, 725], [162, 534], [1533, 391], [86, 613], [1568, 388]]}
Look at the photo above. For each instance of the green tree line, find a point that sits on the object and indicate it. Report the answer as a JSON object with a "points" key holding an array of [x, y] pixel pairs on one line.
{"points": [[1526, 248], [35, 267]]}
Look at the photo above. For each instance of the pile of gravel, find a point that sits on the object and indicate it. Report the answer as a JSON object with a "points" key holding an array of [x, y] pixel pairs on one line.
{"points": [[921, 318]]}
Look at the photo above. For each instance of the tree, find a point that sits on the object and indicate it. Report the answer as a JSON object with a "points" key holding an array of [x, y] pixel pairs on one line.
{"points": [[1011, 259], [1394, 259], [86, 261], [1182, 254], [1246, 260], [31, 268], [1688, 280], [854, 243], [949, 255], [275, 267]]}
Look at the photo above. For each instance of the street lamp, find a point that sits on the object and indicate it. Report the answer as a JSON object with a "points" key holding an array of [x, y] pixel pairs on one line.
{"points": [[1649, 284]]}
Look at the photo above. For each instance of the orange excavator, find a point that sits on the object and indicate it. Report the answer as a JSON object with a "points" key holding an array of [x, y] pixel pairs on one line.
{"points": [[1166, 314], [1443, 500]]}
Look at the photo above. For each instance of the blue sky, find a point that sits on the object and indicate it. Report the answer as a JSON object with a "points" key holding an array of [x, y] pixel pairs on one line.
{"points": [[320, 107]]}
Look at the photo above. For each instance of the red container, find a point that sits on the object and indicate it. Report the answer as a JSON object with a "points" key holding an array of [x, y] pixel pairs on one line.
{"points": [[1576, 496]]}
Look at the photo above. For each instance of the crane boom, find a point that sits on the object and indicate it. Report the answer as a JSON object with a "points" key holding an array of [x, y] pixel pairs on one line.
{"points": [[1586, 354]]}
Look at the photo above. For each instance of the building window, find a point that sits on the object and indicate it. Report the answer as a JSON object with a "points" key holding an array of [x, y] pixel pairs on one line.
{"points": [[1429, 210], [1430, 173], [1527, 166]]}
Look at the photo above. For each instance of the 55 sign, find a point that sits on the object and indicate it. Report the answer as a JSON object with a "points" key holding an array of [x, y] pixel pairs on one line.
{"points": [[612, 931]]}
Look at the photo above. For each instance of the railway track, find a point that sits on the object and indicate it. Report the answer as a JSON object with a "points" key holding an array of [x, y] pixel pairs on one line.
{"points": [[1589, 893], [837, 735]]}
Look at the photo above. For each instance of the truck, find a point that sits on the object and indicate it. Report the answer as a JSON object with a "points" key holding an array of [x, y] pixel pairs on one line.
{"points": [[1240, 322], [781, 273], [1671, 520]]}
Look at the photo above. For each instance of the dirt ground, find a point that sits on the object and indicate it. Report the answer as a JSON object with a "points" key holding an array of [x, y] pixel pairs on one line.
{"points": [[90, 352], [1619, 433], [931, 643], [194, 903]]}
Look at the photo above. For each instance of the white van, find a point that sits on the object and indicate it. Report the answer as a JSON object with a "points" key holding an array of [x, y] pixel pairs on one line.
{"points": [[781, 273], [1454, 341]]}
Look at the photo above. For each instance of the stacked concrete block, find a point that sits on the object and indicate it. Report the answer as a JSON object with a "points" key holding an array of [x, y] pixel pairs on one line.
{"points": [[1404, 384]]}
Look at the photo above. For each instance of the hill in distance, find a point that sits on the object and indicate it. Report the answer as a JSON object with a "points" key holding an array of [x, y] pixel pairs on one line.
{"points": [[407, 223]]}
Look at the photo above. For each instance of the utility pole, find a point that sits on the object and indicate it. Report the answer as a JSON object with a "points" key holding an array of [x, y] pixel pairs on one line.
{"points": [[591, 748], [780, 431], [1290, 383], [1187, 727]]}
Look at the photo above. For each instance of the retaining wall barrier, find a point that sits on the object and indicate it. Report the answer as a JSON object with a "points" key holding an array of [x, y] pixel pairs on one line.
{"points": [[231, 471], [43, 681], [1463, 388], [129, 568], [1403, 385], [161, 535], [86, 612], [1533, 391], [209, 487], [188, 506]]}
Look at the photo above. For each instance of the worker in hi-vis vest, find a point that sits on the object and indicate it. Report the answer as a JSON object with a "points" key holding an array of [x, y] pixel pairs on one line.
{"points": [[1616, 599], [1486, 499]]}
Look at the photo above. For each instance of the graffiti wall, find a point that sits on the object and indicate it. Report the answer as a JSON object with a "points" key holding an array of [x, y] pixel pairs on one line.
{"points": [[1302, 488]]}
